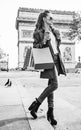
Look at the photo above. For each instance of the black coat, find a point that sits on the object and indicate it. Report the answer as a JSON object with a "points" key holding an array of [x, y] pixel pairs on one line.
{"points": [[38, 43]]}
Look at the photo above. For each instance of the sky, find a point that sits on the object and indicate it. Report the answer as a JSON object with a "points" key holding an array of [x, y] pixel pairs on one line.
{"points": [[8, 14]]}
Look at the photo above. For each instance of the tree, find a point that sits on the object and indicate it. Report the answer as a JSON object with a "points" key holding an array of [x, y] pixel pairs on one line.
{"points": [[75, 28]]}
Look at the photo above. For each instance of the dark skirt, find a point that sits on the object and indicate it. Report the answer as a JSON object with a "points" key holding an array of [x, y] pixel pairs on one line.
{"points": [[50, 73]]}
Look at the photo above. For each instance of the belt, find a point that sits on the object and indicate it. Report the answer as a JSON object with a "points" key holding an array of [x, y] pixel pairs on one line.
{"points": [[56, 54]]}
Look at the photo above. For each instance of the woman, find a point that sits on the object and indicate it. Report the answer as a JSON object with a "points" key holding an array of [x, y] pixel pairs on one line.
{"points": [[46, 36]]}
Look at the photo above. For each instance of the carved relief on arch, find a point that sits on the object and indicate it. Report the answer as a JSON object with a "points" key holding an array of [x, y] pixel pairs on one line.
{"points": [[67, 54], [27, 33]]}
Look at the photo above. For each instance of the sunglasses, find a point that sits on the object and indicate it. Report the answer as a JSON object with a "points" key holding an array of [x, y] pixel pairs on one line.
{"points": [[51, 18]]}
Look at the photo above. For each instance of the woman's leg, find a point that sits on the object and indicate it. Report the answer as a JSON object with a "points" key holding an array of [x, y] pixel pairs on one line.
{"points": [[52, 86], [50, 97], [50, 100], [50, 112]]}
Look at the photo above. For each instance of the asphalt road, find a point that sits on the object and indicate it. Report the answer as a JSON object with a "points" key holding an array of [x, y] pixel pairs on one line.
{"points": [[69, 86], [67, 96]]}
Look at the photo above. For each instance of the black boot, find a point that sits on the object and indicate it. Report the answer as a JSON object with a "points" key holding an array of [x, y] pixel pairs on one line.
{"points": [[34, 107], [50, 116]]}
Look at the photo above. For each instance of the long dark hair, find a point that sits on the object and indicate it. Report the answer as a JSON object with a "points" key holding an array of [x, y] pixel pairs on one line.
{"points": [[40, 22]]}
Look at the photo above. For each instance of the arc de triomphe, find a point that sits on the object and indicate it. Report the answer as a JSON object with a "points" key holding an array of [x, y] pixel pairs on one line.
{"points": [[25, 25]]}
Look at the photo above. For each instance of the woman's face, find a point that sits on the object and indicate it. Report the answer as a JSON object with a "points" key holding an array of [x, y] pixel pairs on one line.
{"points": [[48, 19]]}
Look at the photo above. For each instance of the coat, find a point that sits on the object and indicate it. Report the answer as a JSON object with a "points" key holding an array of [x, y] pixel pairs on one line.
{"points": [[39, 43]]}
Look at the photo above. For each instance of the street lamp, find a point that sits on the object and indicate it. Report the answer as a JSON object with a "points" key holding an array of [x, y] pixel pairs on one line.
{"points": [[79, 59], [7, 62]]}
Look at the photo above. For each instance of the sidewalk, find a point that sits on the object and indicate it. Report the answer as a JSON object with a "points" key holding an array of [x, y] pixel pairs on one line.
{"points": [[14, 114], [67, 115]]}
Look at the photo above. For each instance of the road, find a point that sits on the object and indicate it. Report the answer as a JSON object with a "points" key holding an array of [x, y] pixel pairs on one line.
{"points": [[67, 96]]}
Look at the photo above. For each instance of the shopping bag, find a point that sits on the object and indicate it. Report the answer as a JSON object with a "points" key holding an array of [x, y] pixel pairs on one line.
{"points": [[42, 58]]}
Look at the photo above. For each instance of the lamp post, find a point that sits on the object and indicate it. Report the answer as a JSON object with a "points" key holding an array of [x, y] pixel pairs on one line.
{"points": [[7, 62], [79, 59]]}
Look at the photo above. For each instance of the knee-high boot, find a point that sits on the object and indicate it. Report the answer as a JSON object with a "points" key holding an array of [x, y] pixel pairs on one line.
{"points": [[34, 108]]}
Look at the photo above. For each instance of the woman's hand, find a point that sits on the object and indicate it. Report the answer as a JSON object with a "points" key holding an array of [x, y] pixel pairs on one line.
{"points": [[46, 36]]}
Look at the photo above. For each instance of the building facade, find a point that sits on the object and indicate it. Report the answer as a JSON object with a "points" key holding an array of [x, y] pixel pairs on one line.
{"points": [[25, 25], [3, 61]]}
